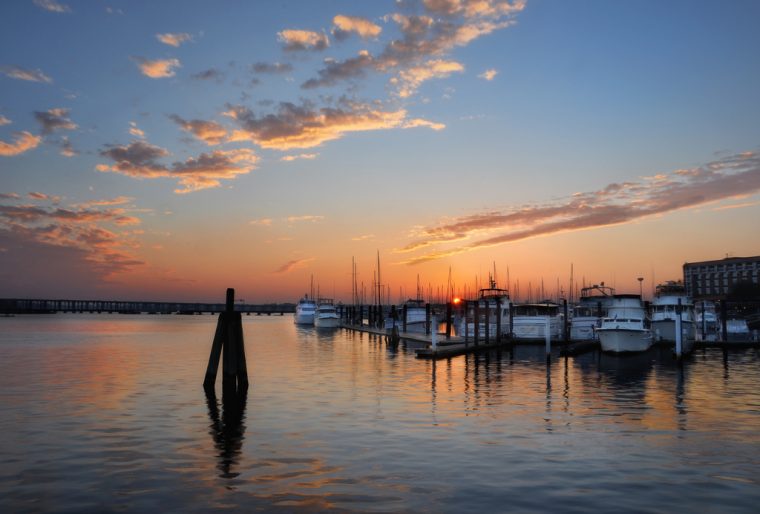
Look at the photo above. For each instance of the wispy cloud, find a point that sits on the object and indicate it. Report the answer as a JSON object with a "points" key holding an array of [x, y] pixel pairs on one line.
{"points": [[24, 141], [295, 40], [52, 6], [54, 119], [488, 75], [174, 39], [96, 234], [274, 67], [731, 177], [363, 237], [157, 69], [16, 72], [10, 196], [67, 148], [309, 218], [292, 265], [209, 74], [262, 222], [302, 156], [345, 25], [140, 159], [304, 126], [135, 130], [411, 78], [4, 120]]}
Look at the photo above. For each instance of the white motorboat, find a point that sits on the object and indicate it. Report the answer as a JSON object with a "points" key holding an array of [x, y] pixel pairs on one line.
{"points": [[493, 302], [669, 303], [588, 313], [531, 319], [326, 315], [626, 327], [707, 321], [305, 311], [416, 315]]}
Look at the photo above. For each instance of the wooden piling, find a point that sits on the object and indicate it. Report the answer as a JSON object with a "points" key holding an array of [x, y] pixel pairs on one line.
{"points": [[498, 319], [724, 320], [488, 323], [427, 319], [565, 322], [448, 320], [405, 312], [476, 322], [228, 340]]}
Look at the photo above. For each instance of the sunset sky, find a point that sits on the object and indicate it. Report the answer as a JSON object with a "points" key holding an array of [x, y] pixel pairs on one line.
{"points": [[167, 150]]}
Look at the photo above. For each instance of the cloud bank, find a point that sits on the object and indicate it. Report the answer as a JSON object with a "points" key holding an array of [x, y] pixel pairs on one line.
{"points": [[731, 177]]}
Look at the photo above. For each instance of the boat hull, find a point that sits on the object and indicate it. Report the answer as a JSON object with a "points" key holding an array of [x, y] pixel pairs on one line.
{"points": [[618, 340], [303, 319], [326, 322], [665, 330]]}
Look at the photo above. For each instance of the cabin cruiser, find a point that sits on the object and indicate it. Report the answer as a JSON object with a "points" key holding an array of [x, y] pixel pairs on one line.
{"points": [[626, 327], [670, 302], [305, 311], [588, 313], [494, 303], [530, 321], [326, 315]]}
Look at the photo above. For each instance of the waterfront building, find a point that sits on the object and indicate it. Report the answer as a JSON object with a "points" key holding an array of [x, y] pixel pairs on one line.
{"points": [[714, 279]]}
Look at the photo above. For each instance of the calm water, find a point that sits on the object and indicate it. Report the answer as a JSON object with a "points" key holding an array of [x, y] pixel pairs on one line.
{"points": [[106, 413]]}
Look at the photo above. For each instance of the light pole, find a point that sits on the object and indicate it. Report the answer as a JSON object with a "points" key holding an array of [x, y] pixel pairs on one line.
{"points": [[640, 279]]}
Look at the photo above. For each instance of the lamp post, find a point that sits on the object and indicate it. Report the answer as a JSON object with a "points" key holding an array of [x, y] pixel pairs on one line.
{"points": [[641, 295]]}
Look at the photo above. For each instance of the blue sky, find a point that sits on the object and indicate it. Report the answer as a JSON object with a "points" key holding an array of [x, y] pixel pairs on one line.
{"points": [[517, 106]]}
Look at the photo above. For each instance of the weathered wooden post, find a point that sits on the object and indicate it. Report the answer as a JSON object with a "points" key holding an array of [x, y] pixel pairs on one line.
{"points": [[565, 328], [679, 335], [466, 324], [724, 320], [498, 319], [427, 319], [405, 312], [228, 340], [488, 323], [548, 336], [448, 320], [476, 322], [511, 320]]}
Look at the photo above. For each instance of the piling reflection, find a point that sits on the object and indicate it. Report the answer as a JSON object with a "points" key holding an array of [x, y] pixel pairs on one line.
{"points": [[227, 429]]}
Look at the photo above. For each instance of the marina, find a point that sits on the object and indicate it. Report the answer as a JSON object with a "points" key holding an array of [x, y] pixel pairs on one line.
{"points": [[340, 420]]}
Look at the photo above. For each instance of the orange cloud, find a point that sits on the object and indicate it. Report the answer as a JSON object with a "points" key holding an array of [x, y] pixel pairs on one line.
{"points": [[157, 69], [732, 177], [361, 26], [488, 75], [24, 142], [292, 265], [411, 79], [306, 156], [303, 40], [174, 39]]}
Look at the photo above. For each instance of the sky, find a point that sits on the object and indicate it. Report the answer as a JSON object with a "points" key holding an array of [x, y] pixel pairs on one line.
{"points": [[169, 150]]}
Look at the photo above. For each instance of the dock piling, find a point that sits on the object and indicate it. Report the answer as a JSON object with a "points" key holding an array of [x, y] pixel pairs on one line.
{"points": [[228, 340]]}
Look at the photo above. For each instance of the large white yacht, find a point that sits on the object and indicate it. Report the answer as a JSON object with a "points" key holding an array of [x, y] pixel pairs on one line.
{"points": [[489, 300], [626, 327], [305, 311], [530, 320], [665, 309], [588, 313], [326, 315]]}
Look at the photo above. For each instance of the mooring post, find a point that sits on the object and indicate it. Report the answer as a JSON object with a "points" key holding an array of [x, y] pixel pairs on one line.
{"points": [[466, 324], [511, 320], [427, 319], [488, 323], [448, 320], [434, 336], [565, 328], [724, 320], [228, 339], [548, 337], [498, 319], [678, 330], [405, 312], [476, 322]]}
